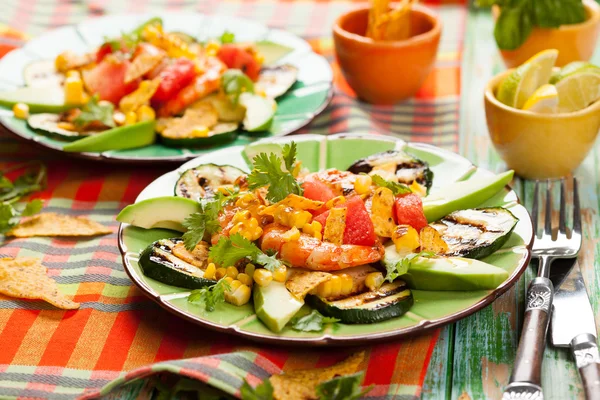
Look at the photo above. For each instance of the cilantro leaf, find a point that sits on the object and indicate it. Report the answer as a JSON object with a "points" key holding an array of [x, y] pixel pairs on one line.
{"points": [[227, 37], [395, 187], [32, 180], [204, 222], [211, 296], [94, 111], [289, 155], [346, 387], [313, 322], [267, 172], [229, 250], [10, 216], [32, 208], [264, 391], [234, 82], [394, 270]]}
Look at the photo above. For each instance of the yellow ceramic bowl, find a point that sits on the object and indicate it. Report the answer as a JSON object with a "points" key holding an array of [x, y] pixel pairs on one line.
{"points": [[539, 146], [574, 42]]}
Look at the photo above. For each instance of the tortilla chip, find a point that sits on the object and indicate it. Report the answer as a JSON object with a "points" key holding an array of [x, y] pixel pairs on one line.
{"points": [[142, 64], [431, 240], [25, 278], [335, 225], [203, 115], [52, 224], [302, 384], [382, 212], [300, 282], [140, 96]]}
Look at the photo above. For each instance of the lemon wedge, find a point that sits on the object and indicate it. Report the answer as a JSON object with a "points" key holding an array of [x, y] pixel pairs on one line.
{"points": [[544, 100], [520, 85]]}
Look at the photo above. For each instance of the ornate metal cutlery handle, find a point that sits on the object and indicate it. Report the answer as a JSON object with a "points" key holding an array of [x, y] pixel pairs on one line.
{"points": [[585, 352]]}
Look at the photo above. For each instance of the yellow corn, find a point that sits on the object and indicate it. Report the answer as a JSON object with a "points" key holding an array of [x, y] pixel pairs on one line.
{"points": [[347, 284], [119, 118], [200, 131], [73, 90], [249, 229], [288, 216], [245, 200], [145, 113], [262, 277], [73, 73], [212, 48], [362, 184], [210, 271], [232, 272], [21, 110], [374, 281], [315, 229], [61, 62], [249, 270], [405, 238], [220, 273], [228, 279], [241, 216], [241, 296], [280, 274], [245, 279], [259, 57], [324, 289], [68, 126], [233, 285], [336, 286], [335, 201], [418, 189], [172, 44], [291, 235], [130, 118]]}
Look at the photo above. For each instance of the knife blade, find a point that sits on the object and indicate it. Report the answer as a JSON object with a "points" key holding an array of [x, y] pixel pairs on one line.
{"points": [[573, 325]]}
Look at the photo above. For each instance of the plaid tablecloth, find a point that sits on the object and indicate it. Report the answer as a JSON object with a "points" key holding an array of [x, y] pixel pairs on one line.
{"points": [[50, 353]]}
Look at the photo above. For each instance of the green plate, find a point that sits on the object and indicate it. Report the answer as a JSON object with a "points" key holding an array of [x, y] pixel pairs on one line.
{"points": [[431, 309], [305, 100]]}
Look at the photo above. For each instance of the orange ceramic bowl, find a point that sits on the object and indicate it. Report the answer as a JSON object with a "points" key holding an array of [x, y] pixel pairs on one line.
{"points": [[575, 42], [386, 72]]}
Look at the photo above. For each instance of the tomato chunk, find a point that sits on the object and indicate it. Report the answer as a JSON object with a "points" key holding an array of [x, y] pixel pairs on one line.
{"points": [[238, 57], [408, 210], [107, 79], [314, 189], [102, 52], [173, 78], [359, 228]]}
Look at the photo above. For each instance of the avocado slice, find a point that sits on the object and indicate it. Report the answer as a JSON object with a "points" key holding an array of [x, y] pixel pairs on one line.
{"points": [[274, 305], [167, 212], [259, 112], [47, 99], [463, 195], [272, 51], [123, 137]]}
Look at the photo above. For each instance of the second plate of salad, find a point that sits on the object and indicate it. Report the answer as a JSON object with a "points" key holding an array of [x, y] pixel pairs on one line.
{"points": [[160, 89]]}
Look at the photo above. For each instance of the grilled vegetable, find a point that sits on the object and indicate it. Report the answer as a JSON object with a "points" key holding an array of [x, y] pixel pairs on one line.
{"points": [[390, 301], [220, 133], [476, 233], [395, 163], [276, 80], [160, 262], [226, 110], [49, 124], [204, 180], [42, 73]]}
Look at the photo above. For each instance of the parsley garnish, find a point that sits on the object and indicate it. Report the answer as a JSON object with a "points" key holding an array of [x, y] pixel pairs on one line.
{"points": [[395, 187], [93, 111], [264, 391], [234, 82], [346, 387], [401, 267], [211, 296], [227, 37], [268, 171], [204, 222], [10, 216], [230, 250], [313, 322]]}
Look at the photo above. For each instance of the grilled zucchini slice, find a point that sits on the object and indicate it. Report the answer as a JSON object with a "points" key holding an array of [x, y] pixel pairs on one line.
{"points": [[476, 233], [204, 180], [160, 263], [220, 133], [390, 301], [47, 124]]}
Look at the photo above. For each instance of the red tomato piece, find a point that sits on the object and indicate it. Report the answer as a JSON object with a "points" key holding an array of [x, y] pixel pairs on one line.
{"points": [[173, 78], [408, 210], [359, 228], [314, 189], [107, 79], [235, 56], [102, 52]]}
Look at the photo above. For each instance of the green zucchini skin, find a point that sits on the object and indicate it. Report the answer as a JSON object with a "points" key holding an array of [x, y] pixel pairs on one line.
{"points": [[155, 266], [46, 124], [203, 180], [222, 133], [501, 223], [395, 299]]}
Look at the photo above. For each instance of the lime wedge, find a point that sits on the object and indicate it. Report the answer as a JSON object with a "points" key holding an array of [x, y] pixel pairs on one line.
{"points": [[544, 100], [578, 90], [574, 68], [259, 112]]}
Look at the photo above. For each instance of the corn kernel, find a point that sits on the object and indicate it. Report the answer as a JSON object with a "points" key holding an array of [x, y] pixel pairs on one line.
{"points": [[280, 274], [374, 281], [418, 189], [241, 216], [362, 184], [200, 131], [291, 235], [241, 296], [130, 118], [61, 61], [68, 126], [220, 273], [228, 279], [145, 113], [73, 73], [249, 270], [347, 284], [336, 286], [210, 271], [233, 285], [245, 279], [263, 277], [335, 202], [73, 88], [21, 110], [324, 289], [232, 272], [405, 238], [315, 229], [119, 118], [212, 48]]}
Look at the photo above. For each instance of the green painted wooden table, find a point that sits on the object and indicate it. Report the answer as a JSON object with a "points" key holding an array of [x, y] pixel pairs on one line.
{"points": [[474, 357]]}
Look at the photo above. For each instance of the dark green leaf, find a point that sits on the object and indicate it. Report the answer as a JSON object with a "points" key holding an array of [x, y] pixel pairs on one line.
{"points": [[96, 111], [229, 250], [513, 27], [227, 37], [267, 172], [205, 222], [264, 391], [346, 387], [211, 296], [395, 187], [32, 208], [313, 322], [234, 82], [289, 155]]}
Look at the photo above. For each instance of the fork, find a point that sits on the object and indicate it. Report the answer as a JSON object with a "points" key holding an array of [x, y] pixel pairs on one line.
{"points": [[526, 381]]}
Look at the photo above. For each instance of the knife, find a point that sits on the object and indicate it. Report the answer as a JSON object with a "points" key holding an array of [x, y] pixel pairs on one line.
{"points": [[573, 326]]}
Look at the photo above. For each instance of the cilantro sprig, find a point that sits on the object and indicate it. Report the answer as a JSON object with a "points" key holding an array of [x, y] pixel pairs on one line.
{"points": [[230, 250], [268, 171], [10, 216], [395, 187], [210, 296], [227, 37], [313, 322], [96, 111], [234, 82], [395, 270], [264, 391]]}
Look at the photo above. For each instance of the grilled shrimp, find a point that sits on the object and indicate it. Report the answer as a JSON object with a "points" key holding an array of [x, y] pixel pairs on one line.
{"points": [[311, 253], [201, 86]]}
